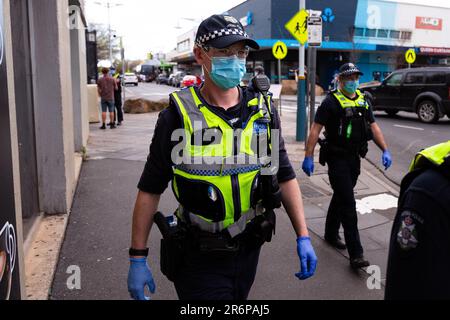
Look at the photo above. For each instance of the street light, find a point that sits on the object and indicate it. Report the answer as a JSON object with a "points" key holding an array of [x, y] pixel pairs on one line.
{"points": [[109, 5], [122, 56]]}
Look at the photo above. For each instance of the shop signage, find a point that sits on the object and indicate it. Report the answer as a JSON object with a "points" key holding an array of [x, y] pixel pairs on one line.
{"points": [[434, 50], [428, 23]]}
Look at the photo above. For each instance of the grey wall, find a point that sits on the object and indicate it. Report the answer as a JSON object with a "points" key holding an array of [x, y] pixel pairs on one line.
{"points": [[24, 108], [53, 104], [79, 92]]}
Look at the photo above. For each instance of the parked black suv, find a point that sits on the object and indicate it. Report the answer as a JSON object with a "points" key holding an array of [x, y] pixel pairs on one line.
{"points": [[425, 91]]}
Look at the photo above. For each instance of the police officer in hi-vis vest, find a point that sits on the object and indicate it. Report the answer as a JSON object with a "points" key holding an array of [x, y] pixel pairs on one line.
{"points": [[419, 255], [224, 178], [349, 125]]}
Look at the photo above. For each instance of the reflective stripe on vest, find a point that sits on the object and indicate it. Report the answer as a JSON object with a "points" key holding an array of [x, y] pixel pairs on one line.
{"points": [[349, 103], [210, 164], [436, 155], [234, 229]]}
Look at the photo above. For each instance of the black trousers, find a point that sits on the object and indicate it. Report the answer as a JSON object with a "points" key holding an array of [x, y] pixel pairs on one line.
{"points": [[218, 277], [343, 172], [119, 110]]}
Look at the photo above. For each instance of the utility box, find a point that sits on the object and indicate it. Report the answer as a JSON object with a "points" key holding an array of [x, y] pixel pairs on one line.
{"points": [[93, 103]]}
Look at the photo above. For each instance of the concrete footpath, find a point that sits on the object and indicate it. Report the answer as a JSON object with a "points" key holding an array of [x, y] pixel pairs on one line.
{"points": [[98, 232]]}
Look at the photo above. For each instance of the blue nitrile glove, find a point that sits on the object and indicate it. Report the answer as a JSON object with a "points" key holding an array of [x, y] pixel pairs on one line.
{"points": [[308, 166], [140, 276], [387, 159], [308, 258]]}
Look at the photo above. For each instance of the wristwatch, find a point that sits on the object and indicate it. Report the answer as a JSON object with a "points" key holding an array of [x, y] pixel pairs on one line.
{"points": [[138, 253]]}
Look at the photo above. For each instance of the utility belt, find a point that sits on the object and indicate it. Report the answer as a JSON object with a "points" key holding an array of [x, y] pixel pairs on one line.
{"points": [[181, 240], [327, 150]]}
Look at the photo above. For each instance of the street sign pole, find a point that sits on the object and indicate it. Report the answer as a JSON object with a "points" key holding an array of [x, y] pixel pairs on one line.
{"points": [[280, 51], [315, 32], [280, 82], [312, 76], [279, 71], [122, 52], [301, 103]]}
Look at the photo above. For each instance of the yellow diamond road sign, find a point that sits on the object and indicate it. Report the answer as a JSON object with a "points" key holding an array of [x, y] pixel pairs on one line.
{"points": [[410, 56], [298, 26], [280, 50]]}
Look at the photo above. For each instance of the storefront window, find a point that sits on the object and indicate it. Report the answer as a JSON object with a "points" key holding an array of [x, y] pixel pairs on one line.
{"points": [[359, 32], [395, 34], [383, 33], [406, 35], [371, 32]]}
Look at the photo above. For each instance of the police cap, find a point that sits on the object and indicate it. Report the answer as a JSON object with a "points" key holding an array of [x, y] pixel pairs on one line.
{"points": [[222, 31], [349, 69]]}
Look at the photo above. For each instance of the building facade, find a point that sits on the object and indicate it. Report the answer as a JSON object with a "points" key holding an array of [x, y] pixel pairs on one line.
{"points": [[375, 34], [43, 121]]}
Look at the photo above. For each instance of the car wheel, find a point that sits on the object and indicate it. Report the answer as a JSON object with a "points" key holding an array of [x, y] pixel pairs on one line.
{"points": [[428, 111], [392, 112]]}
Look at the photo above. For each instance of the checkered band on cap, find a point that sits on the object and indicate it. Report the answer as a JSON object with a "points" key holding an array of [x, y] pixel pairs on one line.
{"points": [[350, 71], [218, 34]]}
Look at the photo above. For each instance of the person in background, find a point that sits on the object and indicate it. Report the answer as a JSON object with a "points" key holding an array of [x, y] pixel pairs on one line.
{"points": [[118, 100], [349, 126], [106, 87]]}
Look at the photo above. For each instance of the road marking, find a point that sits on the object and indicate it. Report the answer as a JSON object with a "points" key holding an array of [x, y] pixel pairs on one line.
{"points": [[379, 202], [407, 127]]}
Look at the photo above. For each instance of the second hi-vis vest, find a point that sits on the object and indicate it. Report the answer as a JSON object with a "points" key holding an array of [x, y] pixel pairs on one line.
{"points": [[354, 129], [435, 155], [216, 185]]}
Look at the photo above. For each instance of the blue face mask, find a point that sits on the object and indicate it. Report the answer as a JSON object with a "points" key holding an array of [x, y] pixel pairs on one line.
{"points": [[227, 72], [351, 86]]}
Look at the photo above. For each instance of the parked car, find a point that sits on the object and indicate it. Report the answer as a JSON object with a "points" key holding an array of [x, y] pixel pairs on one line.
{"points": [[131, 78], [162, 79], [170, 80], [177, 78], [425, 91], [189, 81]]}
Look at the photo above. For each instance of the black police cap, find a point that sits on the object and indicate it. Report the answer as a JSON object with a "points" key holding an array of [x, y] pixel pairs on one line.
{"points": [[349, 69], [222, 31]]}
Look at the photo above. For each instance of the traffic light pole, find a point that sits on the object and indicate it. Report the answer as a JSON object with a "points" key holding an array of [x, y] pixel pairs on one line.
{"points": [[301, 108]]}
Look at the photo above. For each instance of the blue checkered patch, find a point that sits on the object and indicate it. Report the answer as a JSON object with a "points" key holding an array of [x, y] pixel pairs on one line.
{"points": [[260, 128]]}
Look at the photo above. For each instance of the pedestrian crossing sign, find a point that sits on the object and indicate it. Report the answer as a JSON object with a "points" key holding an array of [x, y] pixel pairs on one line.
{"points": [[298, 26], [410, 56], [280, 50]]}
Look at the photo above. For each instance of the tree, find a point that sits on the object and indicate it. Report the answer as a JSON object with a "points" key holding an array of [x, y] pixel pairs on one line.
{"points": [[103, 42]]}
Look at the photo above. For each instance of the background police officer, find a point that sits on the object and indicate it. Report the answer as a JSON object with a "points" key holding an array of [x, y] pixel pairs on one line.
{"points": [[349, 125], [221, 48], [419, 255]]}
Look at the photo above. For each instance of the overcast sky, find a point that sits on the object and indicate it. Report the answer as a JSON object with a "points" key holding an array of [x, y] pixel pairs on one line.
{"points": [[150, 25]]}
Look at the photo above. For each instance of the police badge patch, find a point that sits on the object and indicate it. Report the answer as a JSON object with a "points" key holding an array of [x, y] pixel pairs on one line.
{"points": [[407, 238], [260, 127]]}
